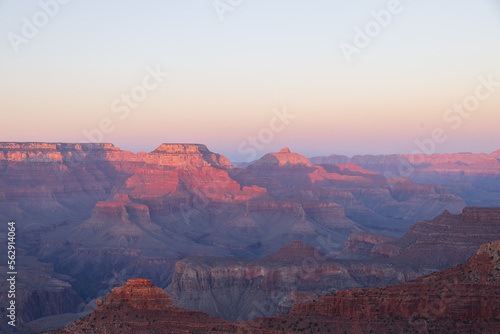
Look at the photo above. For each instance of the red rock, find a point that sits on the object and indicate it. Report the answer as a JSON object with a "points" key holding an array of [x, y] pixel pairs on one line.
{"points": [[188, 155], [98, 210], [354, 168], [139, 307], [320, 174], [283, 158], [139, 294]]}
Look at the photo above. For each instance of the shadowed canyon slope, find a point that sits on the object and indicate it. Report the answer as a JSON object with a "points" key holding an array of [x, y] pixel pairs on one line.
{"points": [[239, 289], [242, 289], [464, 299]]}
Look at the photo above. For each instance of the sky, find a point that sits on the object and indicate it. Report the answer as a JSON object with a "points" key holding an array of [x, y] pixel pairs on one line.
{"points": [[250, 77]]}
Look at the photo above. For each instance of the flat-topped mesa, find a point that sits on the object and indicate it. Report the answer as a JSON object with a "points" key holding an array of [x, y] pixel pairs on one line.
{"points": [[139, 282], [282, 158], [173, 155], [137, 293], [54, 152], [119, 213], [182, 149], [29, 146], [188, 155]]}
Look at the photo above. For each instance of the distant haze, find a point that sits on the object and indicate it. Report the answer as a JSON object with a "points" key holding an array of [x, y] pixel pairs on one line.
{"points": [[226, 77]]}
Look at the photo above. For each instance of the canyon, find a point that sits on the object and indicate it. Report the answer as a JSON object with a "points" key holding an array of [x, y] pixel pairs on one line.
{"points": [[242, 289], [463, 299], [473, 177], [91, 216]]}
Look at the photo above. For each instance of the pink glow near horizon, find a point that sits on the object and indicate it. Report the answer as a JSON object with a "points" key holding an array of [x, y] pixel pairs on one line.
{"points": [[226, 77]]}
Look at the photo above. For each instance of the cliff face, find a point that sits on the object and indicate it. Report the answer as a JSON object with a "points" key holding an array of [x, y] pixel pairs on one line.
{"points": [[372, 196], [239, 289], [175, 155], [460, 300], [463, 299], [139, 294], [446, 240], [473, 177], [102, 215], [399, 164], [189, 154], [431, 245], [56, 184], [54, 181], [139, 307]]}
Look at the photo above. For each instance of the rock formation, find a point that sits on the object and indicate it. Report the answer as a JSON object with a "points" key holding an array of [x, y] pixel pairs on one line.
{"points": [[139, 307], [99, 215], [137, 293], [239, 289], [464, 299], [473, 177], [444, 241]]}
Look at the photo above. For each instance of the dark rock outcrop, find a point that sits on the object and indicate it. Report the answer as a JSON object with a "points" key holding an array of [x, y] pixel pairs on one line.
{"points": [[464, 299], [139, 307]]}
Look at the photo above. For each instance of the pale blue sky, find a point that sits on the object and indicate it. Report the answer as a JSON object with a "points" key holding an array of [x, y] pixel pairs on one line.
{"points": [[227, 76]]}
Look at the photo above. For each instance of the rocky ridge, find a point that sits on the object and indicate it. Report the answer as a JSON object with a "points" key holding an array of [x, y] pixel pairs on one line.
{"points": [[238, 289], [139, 307], [464, 299], [473, 177]]}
